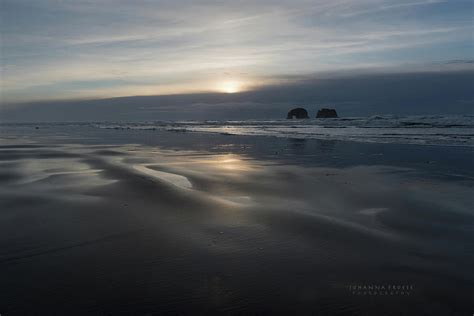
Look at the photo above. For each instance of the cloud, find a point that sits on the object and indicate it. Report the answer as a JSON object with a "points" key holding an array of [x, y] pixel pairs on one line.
{"points": [[50, 47], [388, 7], [353, 93]]}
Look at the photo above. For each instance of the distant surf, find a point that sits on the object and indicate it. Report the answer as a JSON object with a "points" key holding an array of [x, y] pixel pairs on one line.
{"points": [[422, 130]]}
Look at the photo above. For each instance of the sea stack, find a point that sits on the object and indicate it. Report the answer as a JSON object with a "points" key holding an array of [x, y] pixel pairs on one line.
{"points": [[298, 113], [326, 113]]}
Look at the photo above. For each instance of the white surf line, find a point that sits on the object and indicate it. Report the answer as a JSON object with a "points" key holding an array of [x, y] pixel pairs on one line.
{"points": [[175, 179]]}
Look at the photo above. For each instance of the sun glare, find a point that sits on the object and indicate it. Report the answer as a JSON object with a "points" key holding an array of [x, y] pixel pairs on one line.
{"points": [[230, 87]]}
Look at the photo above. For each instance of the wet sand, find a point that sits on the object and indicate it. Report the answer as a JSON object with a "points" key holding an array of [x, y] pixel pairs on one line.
{"points": [[89, 228]]}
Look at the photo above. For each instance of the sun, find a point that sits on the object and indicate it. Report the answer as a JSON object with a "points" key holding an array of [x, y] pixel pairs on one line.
{"points": [[230, 87]]}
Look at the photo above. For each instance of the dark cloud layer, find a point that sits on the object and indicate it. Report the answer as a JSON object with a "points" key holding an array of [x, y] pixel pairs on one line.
{"points": [[356, 95]]}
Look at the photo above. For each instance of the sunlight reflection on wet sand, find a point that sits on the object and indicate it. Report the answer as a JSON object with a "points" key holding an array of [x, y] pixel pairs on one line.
{"points": [[174, 179], [180, 216]]}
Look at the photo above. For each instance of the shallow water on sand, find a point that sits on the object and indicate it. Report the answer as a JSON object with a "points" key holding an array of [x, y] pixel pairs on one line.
{"points": [[108, 225]]}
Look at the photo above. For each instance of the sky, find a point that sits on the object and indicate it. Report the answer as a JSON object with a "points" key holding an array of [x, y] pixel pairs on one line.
{"points": [[73, 50]]}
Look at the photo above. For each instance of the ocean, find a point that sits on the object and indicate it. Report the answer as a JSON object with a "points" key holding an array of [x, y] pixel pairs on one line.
{"points": [[423, 130]]}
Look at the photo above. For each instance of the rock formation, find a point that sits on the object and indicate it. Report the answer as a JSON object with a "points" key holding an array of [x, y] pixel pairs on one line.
{"points": [[298, 113], [326, 113]]}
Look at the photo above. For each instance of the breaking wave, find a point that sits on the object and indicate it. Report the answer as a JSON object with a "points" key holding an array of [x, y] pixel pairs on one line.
{"points": [[429, 130]]}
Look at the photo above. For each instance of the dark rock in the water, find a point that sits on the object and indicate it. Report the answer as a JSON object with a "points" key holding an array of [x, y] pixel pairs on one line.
{"points": [[326, 113], [298, 113]]}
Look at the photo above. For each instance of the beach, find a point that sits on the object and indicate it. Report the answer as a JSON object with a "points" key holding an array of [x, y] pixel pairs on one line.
{"points": [[143, 221]]}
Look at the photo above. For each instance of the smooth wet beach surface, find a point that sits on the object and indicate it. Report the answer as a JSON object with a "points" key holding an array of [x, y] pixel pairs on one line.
{"points": [[107, 224]]}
